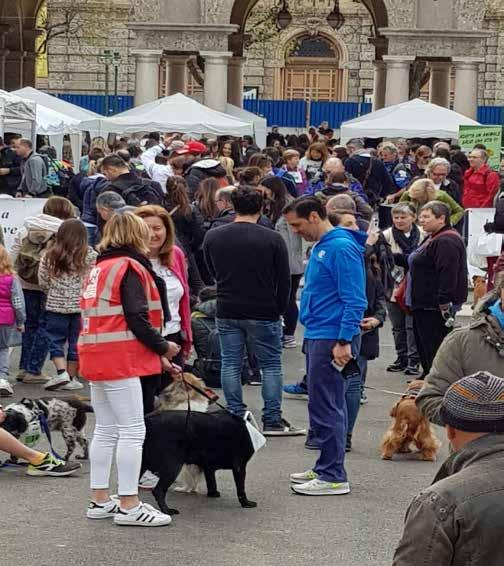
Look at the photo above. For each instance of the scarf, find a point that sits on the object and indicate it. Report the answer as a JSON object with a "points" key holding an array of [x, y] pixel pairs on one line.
{"points": [[407, 243], [133, 253]]}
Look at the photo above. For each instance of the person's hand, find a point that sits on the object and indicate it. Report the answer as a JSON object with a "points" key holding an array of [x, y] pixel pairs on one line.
{"points": [[373, 235], [173, 350], [173, 369], [390, 199], [342, 354], [369, 323], [21, 328], [4, 171], [168, 139]]}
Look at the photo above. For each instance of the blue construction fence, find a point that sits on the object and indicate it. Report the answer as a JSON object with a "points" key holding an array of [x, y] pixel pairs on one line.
{"points": [[282, 113]]}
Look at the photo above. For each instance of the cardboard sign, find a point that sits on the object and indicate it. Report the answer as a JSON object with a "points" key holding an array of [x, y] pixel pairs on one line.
{"points": [[489, 136], [14, 211]]}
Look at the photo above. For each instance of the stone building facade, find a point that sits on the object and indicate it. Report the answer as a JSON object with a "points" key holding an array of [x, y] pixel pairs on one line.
{"points": [[217, 46]]}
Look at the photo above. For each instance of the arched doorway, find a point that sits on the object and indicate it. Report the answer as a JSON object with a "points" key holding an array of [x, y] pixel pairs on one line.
{"points": [[312, 70]]}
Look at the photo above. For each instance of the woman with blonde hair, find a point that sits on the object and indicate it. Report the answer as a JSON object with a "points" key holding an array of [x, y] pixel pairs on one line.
{"points": [[123, 308], [422, 191]]}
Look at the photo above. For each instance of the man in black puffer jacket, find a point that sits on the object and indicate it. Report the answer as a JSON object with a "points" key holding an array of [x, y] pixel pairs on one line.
{"points": [[201, 170]]}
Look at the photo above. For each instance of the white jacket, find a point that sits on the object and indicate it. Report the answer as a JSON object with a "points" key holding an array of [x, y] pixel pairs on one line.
{"points": [[42, 222]]}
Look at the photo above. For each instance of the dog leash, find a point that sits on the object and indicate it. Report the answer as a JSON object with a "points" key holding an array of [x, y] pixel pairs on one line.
{"points": [[211, 397], [384, 391], [45, 428]]}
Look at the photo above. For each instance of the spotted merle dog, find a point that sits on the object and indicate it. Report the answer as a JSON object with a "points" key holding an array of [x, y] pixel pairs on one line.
{"points": [[66, 415]]}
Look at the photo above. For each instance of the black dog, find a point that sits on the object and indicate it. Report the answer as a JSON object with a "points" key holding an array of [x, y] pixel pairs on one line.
{"points": [[66, 415], [212, 441]]}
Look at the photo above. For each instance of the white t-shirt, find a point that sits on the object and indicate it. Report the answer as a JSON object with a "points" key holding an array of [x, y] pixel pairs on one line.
{"points": [[174, 291]]}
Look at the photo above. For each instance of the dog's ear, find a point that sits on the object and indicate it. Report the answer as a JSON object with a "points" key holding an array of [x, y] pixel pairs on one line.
{"points": [[393, 410], [28, 403]]}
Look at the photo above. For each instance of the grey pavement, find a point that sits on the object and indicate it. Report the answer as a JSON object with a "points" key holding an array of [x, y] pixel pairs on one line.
{"points": [[42, 520]]}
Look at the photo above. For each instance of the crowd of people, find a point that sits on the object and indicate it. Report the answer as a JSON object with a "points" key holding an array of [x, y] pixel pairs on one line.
{"points": [[151, 251]]}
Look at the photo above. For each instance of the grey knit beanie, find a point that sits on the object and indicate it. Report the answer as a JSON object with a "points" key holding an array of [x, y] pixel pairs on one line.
{"points": [[475, 403]]}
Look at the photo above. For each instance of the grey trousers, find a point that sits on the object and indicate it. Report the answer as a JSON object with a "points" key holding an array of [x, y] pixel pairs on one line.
{"points": [[404, 336], [4, 362]]}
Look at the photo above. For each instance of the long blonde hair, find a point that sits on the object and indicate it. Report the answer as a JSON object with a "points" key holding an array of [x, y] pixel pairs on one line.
{"points": [[6, 267], [125, 230], [422, 191]]}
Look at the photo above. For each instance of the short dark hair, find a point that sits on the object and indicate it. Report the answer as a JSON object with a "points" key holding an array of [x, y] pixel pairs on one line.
{"points": [[249, 139], [273, 154], [304, 206], [154, 136], [247, 200], [114, 160], [438, 209], [124, 154]]}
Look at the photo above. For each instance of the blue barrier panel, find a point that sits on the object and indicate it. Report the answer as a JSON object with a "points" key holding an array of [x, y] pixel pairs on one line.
{"points": [[96, 102], [336, 112], [492, 115], [284, 113]]}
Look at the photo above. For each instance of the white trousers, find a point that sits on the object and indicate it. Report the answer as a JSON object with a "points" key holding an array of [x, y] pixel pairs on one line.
{"points": [[118, 407]]}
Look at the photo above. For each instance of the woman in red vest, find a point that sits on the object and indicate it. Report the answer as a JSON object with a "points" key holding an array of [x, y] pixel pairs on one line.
{"points": [[123, 303]]}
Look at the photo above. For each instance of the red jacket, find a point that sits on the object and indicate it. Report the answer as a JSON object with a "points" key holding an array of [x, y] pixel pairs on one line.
{"points": [[179, 267], [108, 350], [480, 187]]}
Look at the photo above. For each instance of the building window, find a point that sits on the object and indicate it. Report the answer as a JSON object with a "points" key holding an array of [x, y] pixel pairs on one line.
{"points": [[312, 71]]}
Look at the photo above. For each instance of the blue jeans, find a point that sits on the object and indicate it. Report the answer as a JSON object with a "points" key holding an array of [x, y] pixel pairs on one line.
{"points": [[353, 393], [63, 329], [327, 408], [262, 339], [92, 232], [35, 340]]}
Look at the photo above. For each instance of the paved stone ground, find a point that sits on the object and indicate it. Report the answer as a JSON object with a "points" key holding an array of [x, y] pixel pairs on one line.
{"points": [[42, 520]]}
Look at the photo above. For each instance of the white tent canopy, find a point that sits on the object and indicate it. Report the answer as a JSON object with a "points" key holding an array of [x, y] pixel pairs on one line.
{"points": [[412, 119], [260, 123], [13, 107], [176, 113]]}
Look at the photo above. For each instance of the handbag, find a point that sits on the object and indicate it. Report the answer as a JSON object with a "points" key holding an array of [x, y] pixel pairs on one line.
{"points": [[489, 245], [400, 296]]}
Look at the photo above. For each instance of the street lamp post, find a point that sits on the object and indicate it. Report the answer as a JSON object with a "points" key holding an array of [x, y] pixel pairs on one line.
{"points": [[107, 60], [116, 61]]}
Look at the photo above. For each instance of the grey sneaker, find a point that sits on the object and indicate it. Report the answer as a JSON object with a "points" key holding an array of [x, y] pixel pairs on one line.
{"points": [[33, 378], [283, 428], [319, 487]]}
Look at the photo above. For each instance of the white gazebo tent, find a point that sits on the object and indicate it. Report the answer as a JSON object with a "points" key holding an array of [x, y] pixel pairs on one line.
{"points": [[260, 123], [56, 110], [412, 119], [13, 107], [176, 113]]}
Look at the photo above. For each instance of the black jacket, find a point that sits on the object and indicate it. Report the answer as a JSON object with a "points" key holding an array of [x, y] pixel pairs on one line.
{"points": [[370, 345], [130, 179], [377, 184], [228, 216], [10, 160], [199, 172], [189, 229], [134, 301], [439, 271]]}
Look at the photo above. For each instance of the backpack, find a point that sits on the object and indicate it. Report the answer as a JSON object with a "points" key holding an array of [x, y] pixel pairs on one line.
{"points": [[144, 192], [28, 259], [58, 177], [209, 365]]}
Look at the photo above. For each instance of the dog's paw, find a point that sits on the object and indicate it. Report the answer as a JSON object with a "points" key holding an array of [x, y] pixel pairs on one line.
{"points": [[428, 458], [213, 494], [386, 457], [247, 504], [405, 450]]}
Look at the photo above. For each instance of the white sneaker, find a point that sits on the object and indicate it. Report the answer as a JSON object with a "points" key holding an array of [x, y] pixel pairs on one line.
{"points": [[319, 487], [303, 477], [143, 516], [73, 385], [148, 480], [57, 382], [103, 510], [5, 388]]}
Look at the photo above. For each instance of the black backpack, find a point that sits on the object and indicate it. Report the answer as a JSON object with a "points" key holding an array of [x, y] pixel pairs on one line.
{"points": [[144, 192], [209, 364]]}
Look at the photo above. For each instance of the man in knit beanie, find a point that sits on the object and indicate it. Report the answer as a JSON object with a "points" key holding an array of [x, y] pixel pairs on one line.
{"points": [[458, 520]]}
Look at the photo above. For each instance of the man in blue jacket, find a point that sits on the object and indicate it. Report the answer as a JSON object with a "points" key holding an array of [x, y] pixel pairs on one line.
{"points": [[332, 307]]}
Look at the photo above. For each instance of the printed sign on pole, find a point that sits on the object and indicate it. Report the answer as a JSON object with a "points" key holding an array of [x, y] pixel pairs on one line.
{"points": [[13, 213], [489, 136]]}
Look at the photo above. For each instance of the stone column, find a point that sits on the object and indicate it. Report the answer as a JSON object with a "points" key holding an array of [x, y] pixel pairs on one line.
{"points": [[177, 73], [216, 78], [147, 75], [3, 57], [398, 72], [14, 63], [235, 81], [379, 85], [439, 85], [466, 86]]}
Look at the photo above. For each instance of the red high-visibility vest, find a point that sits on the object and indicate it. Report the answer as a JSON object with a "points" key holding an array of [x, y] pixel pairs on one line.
{"points": [[108, 349]]}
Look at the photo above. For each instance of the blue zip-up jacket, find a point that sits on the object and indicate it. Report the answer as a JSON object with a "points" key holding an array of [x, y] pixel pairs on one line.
{"points": [[91, 187], [334, 297]]}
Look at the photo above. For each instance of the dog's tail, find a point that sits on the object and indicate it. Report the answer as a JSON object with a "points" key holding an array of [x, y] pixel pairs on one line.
{"points": [[80, 403]]}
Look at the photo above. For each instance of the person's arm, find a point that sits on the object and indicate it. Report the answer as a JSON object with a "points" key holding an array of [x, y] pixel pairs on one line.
{"points": [[136, 312], [148, 157], [446, 257], [492, 186], [430, 532], [348, 265], [43, 274], [456, 211], [197, 228], [37, 170], [283, 275], [381, 310], [18, 303], [207, 255]]}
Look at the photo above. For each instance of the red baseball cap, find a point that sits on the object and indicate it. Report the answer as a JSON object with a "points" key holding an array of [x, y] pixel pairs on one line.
{"points": [[193, 147]]}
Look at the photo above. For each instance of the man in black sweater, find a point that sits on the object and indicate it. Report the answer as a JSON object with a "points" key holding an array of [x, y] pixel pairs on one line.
{"points": [[250, 264]]}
